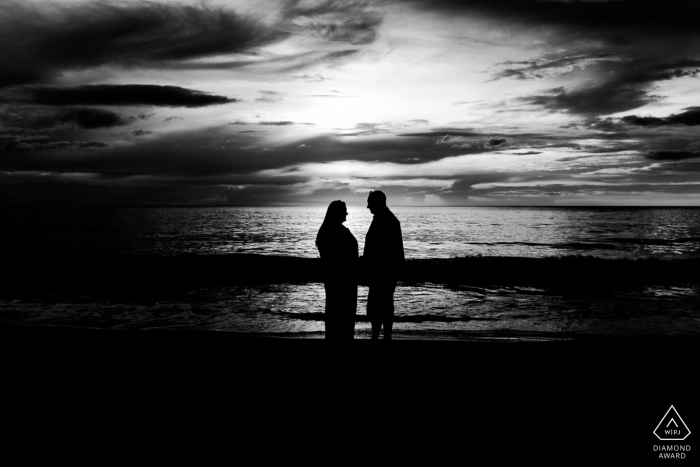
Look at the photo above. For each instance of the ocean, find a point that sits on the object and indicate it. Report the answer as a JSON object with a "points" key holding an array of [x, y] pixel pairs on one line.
{"points": [[428, 232], [293, 308]]}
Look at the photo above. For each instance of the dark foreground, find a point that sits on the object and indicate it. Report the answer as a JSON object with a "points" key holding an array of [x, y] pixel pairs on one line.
{"points": [[484, 398], [555, 401]]}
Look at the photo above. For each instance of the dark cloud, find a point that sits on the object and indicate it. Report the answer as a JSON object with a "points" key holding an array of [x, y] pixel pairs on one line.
{"points": [[492, 143], [41, 41], [690, 117], [672, 155], [140, 132], [629, 45], [548, 64], [517, 74], [119, 95], [642, 121], [605, 99], [45, 118], [180, 156], [452, 135], [90, 118], [614, 21], [285, 123], [15, 143], [282, 64], [620, 85], [643, 70], [144, 116]]}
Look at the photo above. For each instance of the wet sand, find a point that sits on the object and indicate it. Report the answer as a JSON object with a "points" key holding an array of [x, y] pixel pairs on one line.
{"points": [[422, 310]]}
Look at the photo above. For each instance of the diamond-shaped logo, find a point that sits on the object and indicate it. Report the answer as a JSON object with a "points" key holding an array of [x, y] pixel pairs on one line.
{"points": [[671, 427]]}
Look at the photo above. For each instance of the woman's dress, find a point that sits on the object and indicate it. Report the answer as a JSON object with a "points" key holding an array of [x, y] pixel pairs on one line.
{"points": [[339, 253]]}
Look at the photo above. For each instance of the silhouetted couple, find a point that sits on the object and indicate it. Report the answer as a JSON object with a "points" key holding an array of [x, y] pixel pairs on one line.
{"points": [[381, 264]]}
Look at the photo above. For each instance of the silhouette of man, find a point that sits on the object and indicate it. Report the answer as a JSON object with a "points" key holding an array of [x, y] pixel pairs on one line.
{"points": [[383, 260]]}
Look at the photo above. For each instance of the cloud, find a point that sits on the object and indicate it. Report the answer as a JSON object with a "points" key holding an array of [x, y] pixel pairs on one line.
{"points": [[495, 142], [619, 86], [45, 107], [672, 155], [678, 69], [41, 41], [120, 95], [586, 65], [41, 118], [550, 66], [280, 123], [616, 50], [612, 21], [604, 99], [284, 123], [337, 21], [315, 78], [269, 97], [691, 117], [143, 116], [13, 143]]}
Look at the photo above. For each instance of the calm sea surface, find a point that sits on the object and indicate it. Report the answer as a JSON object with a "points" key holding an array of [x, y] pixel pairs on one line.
{"points": [[428, 231]]}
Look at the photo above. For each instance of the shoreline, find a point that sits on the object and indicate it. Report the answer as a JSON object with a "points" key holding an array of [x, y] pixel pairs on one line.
{"points": [[30, 331]]}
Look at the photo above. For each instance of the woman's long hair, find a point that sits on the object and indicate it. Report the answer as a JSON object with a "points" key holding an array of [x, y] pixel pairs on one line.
{"points": [[334, 218]]}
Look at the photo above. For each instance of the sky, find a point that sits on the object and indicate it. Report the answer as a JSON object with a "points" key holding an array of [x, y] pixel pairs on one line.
{"points": [[482, 102]]}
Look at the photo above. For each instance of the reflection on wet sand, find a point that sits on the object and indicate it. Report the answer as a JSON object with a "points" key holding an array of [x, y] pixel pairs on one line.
{"points": [[423, 310]]}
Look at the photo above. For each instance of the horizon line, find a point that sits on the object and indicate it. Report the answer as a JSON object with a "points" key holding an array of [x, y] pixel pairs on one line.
{"points": [[354, 205]]}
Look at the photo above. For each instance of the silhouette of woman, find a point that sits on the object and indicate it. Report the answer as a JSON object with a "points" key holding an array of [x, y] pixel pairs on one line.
{"points": [[339, 253]]}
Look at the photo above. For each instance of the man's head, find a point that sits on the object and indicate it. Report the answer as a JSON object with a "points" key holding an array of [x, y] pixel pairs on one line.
{"points": [[376, 201]]}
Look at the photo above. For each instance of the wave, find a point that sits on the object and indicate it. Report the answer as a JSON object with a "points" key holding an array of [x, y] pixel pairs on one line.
{"points": [[611, 244]]}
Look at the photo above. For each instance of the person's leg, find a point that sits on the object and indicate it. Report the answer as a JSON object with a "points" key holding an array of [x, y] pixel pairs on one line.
{"points": [[331, 327], [350, 311], [387, 329], [376, 328], [387, 301], [349, 327], [373, 311]]}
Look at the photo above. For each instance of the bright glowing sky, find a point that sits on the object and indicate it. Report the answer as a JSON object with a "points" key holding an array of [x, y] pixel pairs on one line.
{"points": [[483, 102]]}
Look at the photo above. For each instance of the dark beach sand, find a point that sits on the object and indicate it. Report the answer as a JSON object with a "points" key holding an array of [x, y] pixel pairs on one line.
{"points": [[515, 397]]}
